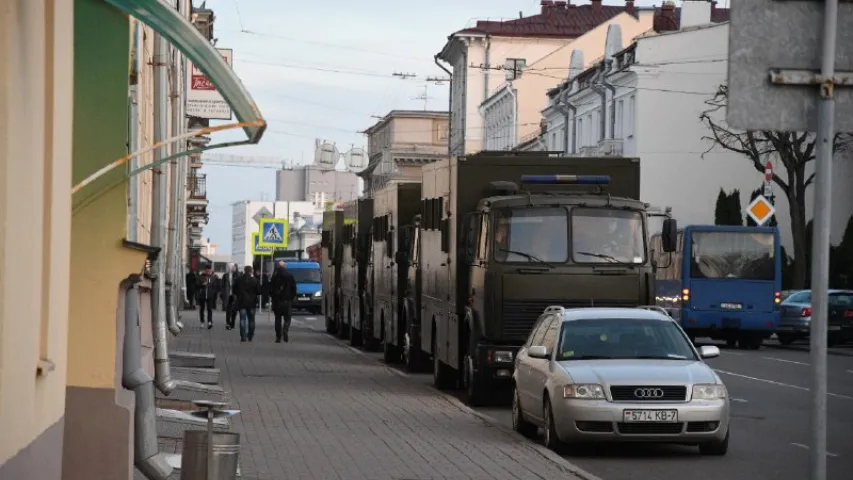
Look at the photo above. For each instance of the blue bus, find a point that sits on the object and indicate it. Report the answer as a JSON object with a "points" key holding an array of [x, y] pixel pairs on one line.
{"points": [[309, 283], [722, 282]]}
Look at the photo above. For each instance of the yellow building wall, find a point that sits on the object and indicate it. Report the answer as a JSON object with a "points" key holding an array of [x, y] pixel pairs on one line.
{"points": [[36, 63]]}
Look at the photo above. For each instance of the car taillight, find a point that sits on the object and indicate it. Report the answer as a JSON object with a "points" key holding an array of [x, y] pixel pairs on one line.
{"points": [[848, 314], [807, 312]]}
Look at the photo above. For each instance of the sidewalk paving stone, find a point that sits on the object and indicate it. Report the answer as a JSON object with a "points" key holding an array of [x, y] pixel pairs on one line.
{"points": [[313, 409]]}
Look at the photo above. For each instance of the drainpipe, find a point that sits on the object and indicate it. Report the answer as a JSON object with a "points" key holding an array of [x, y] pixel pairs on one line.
{"points": [[612, 89], [162, 374], [487, 59], [172, 258], [133, 144], [597, 88], [146, 455], [568, 109], [449, 102]]}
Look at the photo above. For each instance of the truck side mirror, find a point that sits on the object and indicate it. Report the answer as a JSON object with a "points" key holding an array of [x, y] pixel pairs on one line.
{"points": [[669, 235]]}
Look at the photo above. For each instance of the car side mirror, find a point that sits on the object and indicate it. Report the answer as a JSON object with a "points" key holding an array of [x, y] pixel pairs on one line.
{"points": [[669, 235], [538, 351], [709, 351]]}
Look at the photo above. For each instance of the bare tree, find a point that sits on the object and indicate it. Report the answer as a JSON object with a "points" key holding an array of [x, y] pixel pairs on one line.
{"points": [[793, 149]]}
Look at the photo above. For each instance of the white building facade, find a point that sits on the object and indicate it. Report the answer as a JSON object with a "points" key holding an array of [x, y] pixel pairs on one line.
{"points": [[246, 216], [655, 92]]}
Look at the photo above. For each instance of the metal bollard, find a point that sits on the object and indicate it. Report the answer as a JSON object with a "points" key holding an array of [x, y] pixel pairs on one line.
{"points": [[207, 455]]}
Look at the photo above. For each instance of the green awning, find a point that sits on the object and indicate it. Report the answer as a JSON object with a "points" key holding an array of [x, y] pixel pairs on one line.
{"points": [[183, 35]]}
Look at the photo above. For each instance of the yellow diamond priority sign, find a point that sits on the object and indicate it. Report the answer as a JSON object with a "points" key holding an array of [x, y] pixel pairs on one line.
{"points": [[760, 210]]}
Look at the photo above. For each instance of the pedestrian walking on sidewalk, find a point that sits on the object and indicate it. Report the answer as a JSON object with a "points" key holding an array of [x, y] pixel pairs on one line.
{"points": [[206, 295], [282, 293], [191, 279], [246, 290], [228, 299]]}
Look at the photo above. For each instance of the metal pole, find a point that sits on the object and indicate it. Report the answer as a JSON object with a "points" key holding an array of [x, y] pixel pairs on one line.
{"points": [[820, 246], [209, 443]]}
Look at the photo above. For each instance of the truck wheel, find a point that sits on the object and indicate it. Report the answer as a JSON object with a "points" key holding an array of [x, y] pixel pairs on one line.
{"points": [[343, 331], [443, 377], [331, 325], [475, 386], [751, 341], [355, 338], [411, 356], [390, 353]]}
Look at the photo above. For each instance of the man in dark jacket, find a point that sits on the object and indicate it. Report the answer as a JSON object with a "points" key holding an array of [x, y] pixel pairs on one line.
{"points": [[228, 280], [246, 291], [190, 280], [206, 289], [282, 293]]}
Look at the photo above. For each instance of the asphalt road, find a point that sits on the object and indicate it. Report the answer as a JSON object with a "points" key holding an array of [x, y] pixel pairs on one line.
{"points": [[770, 440]]}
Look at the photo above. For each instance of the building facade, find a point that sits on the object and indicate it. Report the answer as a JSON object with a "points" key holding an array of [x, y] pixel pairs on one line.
{"points": [[78, 377], [479, 58], [310, 182], [511, 115], [660, 86], [399, 143]]}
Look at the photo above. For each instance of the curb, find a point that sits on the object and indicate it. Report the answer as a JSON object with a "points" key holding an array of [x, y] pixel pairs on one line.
{"points": [[798, 348], [538, 449]]}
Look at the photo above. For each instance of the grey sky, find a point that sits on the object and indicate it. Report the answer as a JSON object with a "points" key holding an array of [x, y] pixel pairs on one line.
{"points": [[321, 69]]}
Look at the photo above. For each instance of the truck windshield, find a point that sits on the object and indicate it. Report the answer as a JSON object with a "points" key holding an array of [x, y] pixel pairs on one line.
{"points": [[531, 235], [602, 235], [306, 275], [732, 255]]}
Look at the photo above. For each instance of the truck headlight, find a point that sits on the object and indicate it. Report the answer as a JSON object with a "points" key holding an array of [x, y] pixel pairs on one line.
{"points": [[584, 391], [502, 356], [710, 391], [319, 294]]}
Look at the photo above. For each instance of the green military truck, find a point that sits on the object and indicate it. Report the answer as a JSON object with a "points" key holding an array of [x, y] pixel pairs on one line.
{"points": [[358, 218], [504, 235], [394, 208], [331, 241]]}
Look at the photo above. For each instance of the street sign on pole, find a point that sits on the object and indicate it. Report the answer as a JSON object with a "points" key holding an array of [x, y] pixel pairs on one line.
{"points": [[274, 232], [774, 35], [760, 210], [257, 249], [782, 77]]}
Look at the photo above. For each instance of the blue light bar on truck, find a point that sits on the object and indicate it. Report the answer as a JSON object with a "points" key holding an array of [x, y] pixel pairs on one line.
{"points": [[566, 179]]}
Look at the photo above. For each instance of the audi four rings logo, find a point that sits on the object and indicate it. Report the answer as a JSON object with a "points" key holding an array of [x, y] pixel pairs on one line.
{"points": [[648, 393]]}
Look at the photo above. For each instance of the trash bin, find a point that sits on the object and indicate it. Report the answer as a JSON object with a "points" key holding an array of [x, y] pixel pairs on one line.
{"points": [[226, 451]]}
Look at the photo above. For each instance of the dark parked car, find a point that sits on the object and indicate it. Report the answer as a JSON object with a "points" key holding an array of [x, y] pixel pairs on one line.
{"points": [[796, 313]]}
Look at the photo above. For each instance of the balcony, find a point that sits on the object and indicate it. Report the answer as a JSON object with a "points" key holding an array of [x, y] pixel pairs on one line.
{"points": [[197, 186]]}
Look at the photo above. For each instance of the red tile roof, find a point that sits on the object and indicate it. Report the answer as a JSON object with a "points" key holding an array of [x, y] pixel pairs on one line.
{"points": [[556, 20]]}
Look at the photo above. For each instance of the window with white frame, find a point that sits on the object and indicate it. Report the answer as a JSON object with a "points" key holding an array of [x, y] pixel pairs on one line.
{"points": [[629, 121], [579, 133], [620, 120], [590, 131], [553, 147]]}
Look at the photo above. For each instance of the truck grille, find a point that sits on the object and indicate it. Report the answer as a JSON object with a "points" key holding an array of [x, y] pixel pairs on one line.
{"points": [[520, 315], [667, 393]]}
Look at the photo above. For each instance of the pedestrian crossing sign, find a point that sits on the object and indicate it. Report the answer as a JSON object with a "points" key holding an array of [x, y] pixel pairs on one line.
{"points": [[273, 232], [258, 249]]}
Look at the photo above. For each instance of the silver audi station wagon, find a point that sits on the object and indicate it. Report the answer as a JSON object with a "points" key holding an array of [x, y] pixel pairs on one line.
{"points": [[618, 375]]}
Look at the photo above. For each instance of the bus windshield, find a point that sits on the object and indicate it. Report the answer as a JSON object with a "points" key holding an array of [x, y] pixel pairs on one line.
{"points": [[733, 255], [306, 275]]}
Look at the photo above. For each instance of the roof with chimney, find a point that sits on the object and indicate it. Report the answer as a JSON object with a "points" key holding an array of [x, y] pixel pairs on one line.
{"points": [[557, 19], [668, 17]]}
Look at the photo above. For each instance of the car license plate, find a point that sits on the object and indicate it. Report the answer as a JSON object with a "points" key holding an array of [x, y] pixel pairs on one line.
{"points": [[303, 299], [731, 306], [650, 416], [834, 327]]}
